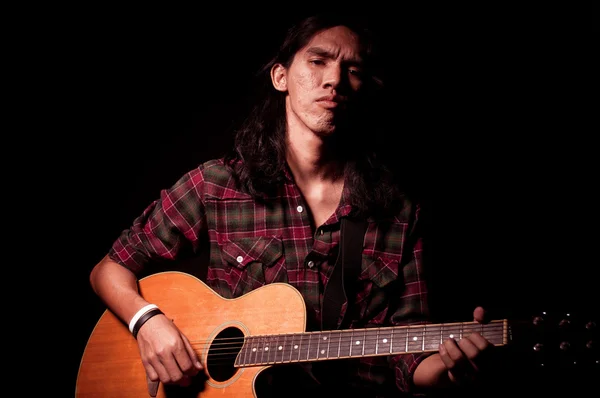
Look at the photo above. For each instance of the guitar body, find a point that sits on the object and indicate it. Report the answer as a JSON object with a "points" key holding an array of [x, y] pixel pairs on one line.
{"points": [[111, 366], [237, 339]]}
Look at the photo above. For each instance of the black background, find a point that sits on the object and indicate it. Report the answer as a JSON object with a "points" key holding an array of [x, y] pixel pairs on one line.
{"points": [[489, 109]]}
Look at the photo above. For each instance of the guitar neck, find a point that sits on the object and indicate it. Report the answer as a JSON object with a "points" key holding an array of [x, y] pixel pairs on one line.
{"points": [[353, 343]]}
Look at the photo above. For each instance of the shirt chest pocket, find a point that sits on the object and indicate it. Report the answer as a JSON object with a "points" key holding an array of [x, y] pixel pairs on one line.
{"points": [[380, 270], [253, 261], [376, 287]]}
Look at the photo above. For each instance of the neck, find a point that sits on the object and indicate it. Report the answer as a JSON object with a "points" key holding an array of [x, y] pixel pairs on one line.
{"points": [[311, 157]]}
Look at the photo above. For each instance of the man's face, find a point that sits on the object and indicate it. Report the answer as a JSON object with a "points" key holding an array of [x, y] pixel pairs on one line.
{"points": [[324, 77]]}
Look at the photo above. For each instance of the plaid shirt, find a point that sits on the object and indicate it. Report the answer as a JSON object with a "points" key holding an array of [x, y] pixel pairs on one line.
{"points": [[254, 243]]}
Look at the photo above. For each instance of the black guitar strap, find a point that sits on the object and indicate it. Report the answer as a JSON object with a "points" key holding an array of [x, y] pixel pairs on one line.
{"points": [[340, 288]]}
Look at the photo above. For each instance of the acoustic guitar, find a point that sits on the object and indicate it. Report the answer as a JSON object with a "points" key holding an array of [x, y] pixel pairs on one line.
{"points": [[238, 338]]}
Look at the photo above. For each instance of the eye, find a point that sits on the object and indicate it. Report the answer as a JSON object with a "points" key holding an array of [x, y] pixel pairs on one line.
{"points": [[317, 62], [355, 72]]}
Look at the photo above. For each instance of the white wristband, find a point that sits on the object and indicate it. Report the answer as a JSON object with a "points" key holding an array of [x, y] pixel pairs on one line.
{"points": [[139, 314]]}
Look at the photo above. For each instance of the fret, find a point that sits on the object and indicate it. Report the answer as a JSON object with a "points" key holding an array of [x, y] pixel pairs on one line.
{"points": [[384, 341], [432, 338], [272, 349], [247, 349], [334, 344], [400, 342], [278, 346], [313, 346], [356, 347], [254, 351], [241, 356], [371, 340], [303, 347], [294, 347], [364, 341], [263, 347], [489, 331], [345, 346], [323, 346], [250, 356], [413, 338], [287, 351], [494, 332], [452, 331]]}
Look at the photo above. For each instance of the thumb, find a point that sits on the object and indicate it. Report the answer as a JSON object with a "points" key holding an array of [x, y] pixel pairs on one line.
{"points": [[480, 315]]}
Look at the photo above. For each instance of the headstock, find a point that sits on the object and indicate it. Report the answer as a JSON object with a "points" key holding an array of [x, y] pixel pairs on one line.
{"points": [[557, 340]]}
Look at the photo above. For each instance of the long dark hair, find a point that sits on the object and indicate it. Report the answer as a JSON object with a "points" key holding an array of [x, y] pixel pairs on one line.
{"points": [[258, 156]]}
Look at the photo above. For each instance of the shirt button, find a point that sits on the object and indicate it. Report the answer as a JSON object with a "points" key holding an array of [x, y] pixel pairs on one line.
{"points": [[240, 259], [311, 264], [299, 208]]}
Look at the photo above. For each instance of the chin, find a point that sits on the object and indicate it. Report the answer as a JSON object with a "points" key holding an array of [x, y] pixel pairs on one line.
{"points": [[324, 127], [325, 131]]}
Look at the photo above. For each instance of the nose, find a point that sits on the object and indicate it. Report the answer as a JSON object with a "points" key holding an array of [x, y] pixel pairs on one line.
{"points": [[332, 76]]}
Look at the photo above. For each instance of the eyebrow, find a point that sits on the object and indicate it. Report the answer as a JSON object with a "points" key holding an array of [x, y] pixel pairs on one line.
{"points": [[322, 52]]}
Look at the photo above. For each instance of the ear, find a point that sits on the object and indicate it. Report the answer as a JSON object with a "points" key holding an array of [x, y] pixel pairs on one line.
{"points": [[278, 77]]}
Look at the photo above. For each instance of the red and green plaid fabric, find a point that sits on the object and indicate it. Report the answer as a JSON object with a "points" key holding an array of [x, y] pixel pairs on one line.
{"points": [[255, 243]]}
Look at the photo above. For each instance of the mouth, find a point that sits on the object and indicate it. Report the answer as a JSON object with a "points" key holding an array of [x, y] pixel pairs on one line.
{"points": [[331, 101]]}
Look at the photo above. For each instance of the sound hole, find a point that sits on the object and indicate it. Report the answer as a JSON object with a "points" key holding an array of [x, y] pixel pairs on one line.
{"points": [[222, 354]]}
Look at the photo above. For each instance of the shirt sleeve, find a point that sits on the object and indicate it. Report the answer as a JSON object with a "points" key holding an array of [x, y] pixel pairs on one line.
{"points": [[412, 308], [166, 228]]}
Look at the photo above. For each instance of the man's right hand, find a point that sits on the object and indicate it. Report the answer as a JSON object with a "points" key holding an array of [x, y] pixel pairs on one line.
{"points": [[166, 353]]}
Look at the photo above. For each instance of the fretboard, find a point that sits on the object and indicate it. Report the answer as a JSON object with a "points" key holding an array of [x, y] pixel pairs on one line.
{"points": [[351, 343]]}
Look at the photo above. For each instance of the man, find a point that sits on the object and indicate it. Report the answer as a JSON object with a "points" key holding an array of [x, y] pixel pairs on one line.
{"points": [[271, 211]]}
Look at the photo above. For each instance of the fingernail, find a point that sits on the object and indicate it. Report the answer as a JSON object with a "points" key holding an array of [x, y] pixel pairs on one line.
{"points": [[442, 349]]}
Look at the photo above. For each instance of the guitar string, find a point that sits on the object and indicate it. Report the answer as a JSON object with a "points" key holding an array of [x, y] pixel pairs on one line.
{"points": [[428, 338], [224, 342], [371, 333], [287, 356], [490, 331], [228, 356]]}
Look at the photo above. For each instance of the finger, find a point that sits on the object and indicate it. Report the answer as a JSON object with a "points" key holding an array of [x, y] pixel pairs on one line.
{"points": [[460, 366], [482, 356], [452, 358], [156, 370], [447, 359], [480, 315], [171, 364], [470, 351], [193, 357], [450, 364], [479, 341], [453, 351]]}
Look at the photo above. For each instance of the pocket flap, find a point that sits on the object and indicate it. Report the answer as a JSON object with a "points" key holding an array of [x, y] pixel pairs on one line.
{"points": [[243, 251], [380, 269]]}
